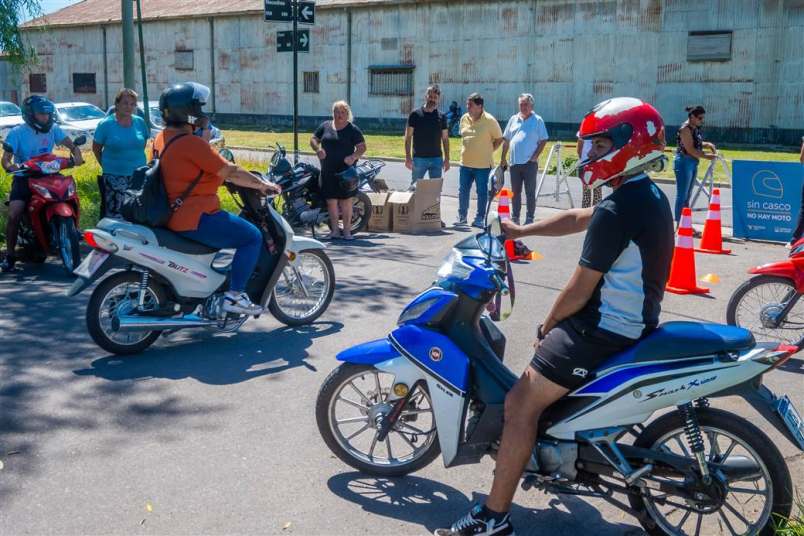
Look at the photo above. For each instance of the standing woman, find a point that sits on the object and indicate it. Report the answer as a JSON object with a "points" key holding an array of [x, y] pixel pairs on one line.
{"points": [[338, 144], [119, 146], [689, 151]]}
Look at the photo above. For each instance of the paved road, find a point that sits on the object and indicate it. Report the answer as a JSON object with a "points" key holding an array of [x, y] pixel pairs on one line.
{"points": [[213, 434]]}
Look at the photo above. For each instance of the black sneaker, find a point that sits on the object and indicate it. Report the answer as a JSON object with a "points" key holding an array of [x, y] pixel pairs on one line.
{"points": [[460, 222], [7, 266], [480, 224], [476, 523]]}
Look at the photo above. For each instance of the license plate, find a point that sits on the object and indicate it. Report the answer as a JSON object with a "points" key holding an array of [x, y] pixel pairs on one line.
{"points": [[91, 264], [791, 418]]}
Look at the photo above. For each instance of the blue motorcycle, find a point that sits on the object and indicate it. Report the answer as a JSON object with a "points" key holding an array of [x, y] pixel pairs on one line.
{"points": [[437, 385]]}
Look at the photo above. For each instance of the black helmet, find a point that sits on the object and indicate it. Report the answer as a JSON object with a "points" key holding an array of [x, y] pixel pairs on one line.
{"points": [[38, 105], [182, 103], [350, 178]]}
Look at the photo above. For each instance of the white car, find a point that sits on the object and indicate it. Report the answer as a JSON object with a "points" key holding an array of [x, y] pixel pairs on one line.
{"points": [[10, 117], [78, 118]]}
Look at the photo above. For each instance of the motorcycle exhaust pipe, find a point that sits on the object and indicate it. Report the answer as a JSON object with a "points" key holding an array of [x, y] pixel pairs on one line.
{"points": [[127, 323]]}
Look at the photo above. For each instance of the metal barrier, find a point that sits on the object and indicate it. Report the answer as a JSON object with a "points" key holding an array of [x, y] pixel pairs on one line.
{"points": [[707, 184], [561, 176]]}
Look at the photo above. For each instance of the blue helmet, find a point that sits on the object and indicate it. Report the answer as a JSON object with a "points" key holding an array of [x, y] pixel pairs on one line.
{"points": [[38, 105]]}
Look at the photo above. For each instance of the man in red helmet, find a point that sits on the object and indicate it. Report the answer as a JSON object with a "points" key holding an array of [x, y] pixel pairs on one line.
{"points": [[612, 299]]}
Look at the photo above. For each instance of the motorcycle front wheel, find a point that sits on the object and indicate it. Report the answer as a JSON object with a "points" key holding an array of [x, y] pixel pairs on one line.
{"points": [[749, 504], [757, 306], [118, 295], [67, 242], [351, 402], [361, 212], [304, 290]]}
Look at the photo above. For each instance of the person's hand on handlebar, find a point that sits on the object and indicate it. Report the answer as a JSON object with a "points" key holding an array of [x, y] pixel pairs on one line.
{"points": [[268, 188]]}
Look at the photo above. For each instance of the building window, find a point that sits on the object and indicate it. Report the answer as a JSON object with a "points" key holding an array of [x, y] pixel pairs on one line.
{"points": [[38, 82], [84, 83], [311, 82], [394, 80], [709, 46], [184, 60]]}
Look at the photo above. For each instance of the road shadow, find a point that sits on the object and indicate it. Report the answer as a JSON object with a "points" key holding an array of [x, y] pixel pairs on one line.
{"points": [[217, 359], [431, 504]]}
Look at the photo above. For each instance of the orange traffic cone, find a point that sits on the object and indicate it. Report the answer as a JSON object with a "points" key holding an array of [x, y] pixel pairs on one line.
{"points": [[682, 269], [504, 204], [712, 239]]}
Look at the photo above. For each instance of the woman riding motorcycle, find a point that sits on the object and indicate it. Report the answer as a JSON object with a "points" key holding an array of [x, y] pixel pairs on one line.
{"points": [[190, 159]]}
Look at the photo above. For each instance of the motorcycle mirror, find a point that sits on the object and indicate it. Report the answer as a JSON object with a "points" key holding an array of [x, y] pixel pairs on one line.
{"points": [[80, 140], [227, 154]]}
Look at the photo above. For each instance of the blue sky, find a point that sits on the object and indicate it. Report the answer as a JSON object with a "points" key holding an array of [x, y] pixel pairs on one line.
{"points": [[49, 6]]}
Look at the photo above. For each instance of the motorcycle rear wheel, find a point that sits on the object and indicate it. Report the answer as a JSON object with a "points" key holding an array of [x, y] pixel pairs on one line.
{"points": [[361, 212], [754, 303]]}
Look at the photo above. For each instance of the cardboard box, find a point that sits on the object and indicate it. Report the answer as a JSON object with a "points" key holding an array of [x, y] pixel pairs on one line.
{"points": [[420, 211], [380, 219]]}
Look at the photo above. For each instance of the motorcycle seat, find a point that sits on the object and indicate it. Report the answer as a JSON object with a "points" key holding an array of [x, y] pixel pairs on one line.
{"points": [[170, 240], [683, 339]]}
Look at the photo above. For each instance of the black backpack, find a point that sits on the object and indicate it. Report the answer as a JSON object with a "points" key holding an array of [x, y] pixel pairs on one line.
{"points": [[146, 201]]}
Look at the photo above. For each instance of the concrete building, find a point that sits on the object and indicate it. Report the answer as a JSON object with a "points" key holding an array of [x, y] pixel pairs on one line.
{"points": [[742, 59], [9, 82]]}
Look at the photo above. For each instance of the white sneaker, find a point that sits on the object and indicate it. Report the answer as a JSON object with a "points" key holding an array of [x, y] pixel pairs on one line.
{"points": [[234, 302]]}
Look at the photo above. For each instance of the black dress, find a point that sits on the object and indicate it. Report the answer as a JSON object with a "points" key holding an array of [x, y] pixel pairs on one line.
{"points": [[338, 144]]}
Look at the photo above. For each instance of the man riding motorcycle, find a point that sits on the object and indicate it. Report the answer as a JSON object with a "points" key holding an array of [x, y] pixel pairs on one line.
{"points": [[36, 137], [191, 160], [610, 302]]}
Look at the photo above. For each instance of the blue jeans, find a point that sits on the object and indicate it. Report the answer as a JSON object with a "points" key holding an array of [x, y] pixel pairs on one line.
{"points": [[224, 230], [480, 177], [686, 169], [432, 166]]}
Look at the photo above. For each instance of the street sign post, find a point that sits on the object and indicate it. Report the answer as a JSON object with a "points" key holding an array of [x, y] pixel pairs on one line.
{"points": [[297, 12]]}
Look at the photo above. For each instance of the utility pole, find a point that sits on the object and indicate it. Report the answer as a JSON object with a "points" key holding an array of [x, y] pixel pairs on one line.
{"points": [[295, 82], [127, 18], [145, 108]]}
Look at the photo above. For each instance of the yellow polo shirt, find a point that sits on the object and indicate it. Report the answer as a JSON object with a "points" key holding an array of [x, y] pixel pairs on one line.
{"points": [[477, 137]]}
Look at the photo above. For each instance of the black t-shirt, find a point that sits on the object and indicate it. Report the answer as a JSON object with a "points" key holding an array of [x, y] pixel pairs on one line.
{"points": [[427, 127], [630, 240], [338, 144]]}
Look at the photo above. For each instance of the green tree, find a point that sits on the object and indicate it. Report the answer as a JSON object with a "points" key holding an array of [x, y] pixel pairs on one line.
{"points": [[11, 42]]}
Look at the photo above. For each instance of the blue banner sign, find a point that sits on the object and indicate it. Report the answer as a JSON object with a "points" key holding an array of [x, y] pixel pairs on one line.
{"points": [[766, 198]]}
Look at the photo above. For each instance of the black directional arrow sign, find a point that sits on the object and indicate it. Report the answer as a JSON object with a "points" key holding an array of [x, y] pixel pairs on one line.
{"points": [[306, 12], [279, 10], [284, 41]]}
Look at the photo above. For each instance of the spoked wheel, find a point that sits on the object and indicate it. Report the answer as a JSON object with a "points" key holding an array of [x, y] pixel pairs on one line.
{"points": [[352, 402], [361, 212], [67, 236], [115, 296], [747, 504], [304, 289], [758, 305]]}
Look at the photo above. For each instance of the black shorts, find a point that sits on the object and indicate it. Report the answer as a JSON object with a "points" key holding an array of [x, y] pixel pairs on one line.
{"points": [[20, 191], [570, 353]]}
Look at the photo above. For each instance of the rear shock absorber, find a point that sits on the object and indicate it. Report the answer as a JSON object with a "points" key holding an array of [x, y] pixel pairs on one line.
{"points": [[695, 438], [145, 278]]}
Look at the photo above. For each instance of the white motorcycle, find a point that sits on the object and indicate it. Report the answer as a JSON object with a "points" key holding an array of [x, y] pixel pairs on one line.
{"points": [[169, 283]]}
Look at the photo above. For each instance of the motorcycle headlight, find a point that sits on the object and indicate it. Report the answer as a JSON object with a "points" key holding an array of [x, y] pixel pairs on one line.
{"points": [[454, 267], [41, 190]]}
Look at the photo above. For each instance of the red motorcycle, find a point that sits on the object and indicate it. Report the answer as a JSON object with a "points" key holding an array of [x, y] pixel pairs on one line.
{"points": [[768, 303], [50, 222]]}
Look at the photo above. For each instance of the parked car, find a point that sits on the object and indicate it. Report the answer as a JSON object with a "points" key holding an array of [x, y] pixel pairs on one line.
{"points": [[78, 118], [10, 117]]}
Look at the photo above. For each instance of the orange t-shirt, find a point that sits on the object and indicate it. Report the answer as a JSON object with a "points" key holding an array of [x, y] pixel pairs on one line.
{"points": [[184, 159]]}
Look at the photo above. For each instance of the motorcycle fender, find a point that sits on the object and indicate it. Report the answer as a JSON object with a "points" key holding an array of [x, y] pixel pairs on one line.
{"points": [[786, 269], [59, 209], [302, 243], [112, 262], [448, 406]]}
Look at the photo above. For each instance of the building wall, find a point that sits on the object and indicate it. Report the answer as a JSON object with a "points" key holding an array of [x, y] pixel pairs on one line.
{"points": [[9, 83], [569, 53]]}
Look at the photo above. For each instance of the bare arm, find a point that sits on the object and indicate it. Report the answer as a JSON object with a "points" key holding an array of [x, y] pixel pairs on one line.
{"points": [[538, 152], [579, 148], [97, 149], [574, 296], [689, 146], [8, 162], [315, 143], [445, 144], [497, 142], [564, 223], [239, 176], [802, 152], [75, 151], [360, 150], [504, 156], [408, 143]]}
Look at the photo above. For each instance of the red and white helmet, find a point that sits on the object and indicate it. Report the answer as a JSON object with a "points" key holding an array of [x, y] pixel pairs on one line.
{"points": [[637, 131]]}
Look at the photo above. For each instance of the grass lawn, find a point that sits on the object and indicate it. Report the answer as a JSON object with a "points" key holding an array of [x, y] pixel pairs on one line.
{"points": [[384, 145]]}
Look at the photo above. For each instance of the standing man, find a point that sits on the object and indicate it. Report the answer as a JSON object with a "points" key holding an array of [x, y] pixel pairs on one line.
{"points": [[526, 135], [427, 128], [36, 137], [480, 137]]}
